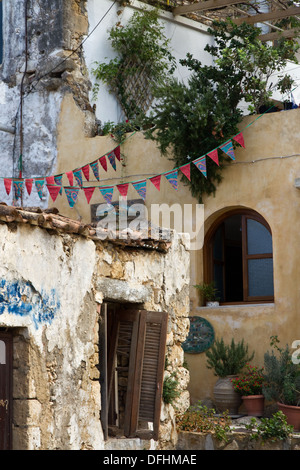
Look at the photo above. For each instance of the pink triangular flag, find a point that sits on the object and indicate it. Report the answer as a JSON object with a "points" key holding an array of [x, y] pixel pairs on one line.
{"points": [[103, 162], [70, 177], [86, 171], [123, 189], [214, 156], [156, 181], [117, 153], [53, 190], [28, 184], [88, 193], [50, 180], [240, 139], [7, 184], [186, 170]]}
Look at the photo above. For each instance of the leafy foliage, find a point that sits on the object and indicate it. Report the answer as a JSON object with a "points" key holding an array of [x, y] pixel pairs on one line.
{"points": [[170, 391], [273, 428], [191, 119], [199, 418], [140, 45], [208, 291], [250, 382], [282, 376], [228, 359]]}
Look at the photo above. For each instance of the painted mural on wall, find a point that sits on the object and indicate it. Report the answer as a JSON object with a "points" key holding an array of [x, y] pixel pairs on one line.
{"points": [[18, 297]]}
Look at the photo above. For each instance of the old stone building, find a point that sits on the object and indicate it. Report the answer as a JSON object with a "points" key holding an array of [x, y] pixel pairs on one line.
{"points": [[83, 321]]}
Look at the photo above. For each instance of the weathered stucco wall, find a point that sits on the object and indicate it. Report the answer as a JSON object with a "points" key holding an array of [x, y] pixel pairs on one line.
{"points": [[51, 288]]}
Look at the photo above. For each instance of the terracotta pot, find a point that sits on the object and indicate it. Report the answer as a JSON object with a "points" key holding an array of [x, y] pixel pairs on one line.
{"points": [[254, 404], [292, 414], [226, 398]]}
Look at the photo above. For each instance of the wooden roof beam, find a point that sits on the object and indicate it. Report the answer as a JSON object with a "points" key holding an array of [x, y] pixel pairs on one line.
{"points": [[272, 15], [288, 33], [202, 6]]}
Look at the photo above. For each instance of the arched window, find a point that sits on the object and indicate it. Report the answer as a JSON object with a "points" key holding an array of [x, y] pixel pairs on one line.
{"points": [[239, 257]]}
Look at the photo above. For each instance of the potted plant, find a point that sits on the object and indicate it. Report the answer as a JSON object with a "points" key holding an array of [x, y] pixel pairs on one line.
{"points": [[209, 294], [282, 382], [249, 385], [227, 361]]}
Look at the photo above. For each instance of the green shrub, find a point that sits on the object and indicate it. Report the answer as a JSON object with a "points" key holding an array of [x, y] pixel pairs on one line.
{"points": [[228, 359]]}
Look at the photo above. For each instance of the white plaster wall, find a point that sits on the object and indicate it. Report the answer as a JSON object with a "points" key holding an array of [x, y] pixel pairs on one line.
{"points": [[185, 35]]}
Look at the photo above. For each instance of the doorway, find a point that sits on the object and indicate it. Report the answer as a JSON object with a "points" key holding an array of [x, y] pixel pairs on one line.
{"points": [[5, 390]]}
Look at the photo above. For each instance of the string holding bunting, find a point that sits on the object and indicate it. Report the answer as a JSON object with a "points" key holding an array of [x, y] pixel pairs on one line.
{"points": [[201, 165], [140, 187], [172, 178], [228, 149]]}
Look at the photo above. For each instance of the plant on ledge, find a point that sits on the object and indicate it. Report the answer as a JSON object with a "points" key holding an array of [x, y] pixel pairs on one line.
{"points": [[249, 382], [191, 119], [143, 62]]}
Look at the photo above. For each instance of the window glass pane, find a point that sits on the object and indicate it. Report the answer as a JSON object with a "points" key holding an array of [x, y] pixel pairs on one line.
{"points": [[258, 237], [218, 280], [260, 277], [218, 245], [2, 353]]}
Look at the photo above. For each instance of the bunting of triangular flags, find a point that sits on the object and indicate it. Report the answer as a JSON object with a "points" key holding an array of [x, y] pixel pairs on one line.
{"points": [[112, 160], [103, 162], [55, 187], [71, 193], [201, 165], [156, 181], [39, 184], [95, 168], [54, 190], [88, 193], [86, 171], [107, 193], [228, 149], [140, 187], [172, 178], [123, 189], [186, 170]]}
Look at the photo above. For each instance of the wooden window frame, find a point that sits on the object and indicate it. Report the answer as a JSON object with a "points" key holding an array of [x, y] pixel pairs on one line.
{"points": [[146, 359], [209, 261]]}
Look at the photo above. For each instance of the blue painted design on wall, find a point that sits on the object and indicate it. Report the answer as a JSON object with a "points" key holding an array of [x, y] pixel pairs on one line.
{"points": [[20, 298]]}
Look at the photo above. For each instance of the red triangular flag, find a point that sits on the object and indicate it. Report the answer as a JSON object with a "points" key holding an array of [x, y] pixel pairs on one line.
{"points": [[117, 153], [156, 181], [70, 177], [53, 190], [186, 170], [123, 189], [88, 193], [7, 184], [28, 184], [86, 171], [50, 180], [240, 139], [103, 162], [214, 156]]}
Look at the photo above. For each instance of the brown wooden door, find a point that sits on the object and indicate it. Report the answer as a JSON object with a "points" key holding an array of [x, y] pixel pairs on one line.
{"points": [[5, 390]]}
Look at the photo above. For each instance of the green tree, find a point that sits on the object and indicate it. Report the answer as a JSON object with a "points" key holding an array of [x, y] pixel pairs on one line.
{"points": [[191, 119]]}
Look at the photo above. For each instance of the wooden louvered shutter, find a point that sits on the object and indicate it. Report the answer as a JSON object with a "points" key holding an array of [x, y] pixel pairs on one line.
{"points": [[140, 336]]}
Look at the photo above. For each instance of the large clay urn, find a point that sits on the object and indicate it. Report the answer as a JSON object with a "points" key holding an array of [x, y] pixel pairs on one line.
{"points": [[225, 397]]}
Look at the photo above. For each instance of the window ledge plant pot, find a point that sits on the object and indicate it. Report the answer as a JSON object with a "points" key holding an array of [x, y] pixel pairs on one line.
{"points": [[292, 414], [254, 404]]}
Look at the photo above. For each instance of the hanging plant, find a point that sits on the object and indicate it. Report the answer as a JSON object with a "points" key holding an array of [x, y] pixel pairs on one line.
{"points": [[143, 62]]}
